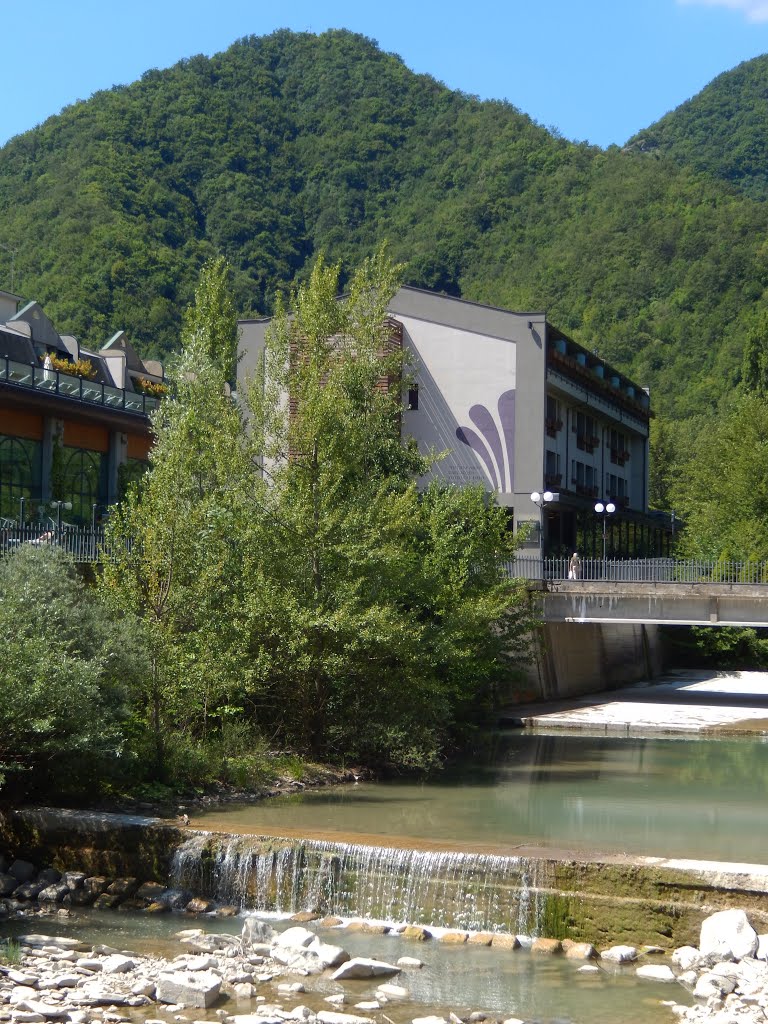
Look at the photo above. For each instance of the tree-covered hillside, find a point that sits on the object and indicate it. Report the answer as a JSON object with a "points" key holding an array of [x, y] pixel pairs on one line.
{"points": [[290, 144], [722, 131]]}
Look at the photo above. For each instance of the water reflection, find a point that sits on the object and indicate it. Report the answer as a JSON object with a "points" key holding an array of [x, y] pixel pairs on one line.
{"points": [[663, 797]]}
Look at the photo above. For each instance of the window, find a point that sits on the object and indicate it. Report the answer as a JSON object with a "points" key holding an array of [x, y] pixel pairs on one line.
{"points": [[585, 428], [82, 476], [553, 420], [20, 462], [619, 445], [552, 476], [616, 487], [413, 397]]}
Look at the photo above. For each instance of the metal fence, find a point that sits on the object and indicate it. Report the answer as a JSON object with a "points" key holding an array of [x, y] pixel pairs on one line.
{"points": [[57, 383], [82, 543], [640, 570]]}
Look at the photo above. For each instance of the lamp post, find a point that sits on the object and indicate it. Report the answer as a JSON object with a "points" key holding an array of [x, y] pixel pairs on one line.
{"points": [[542, 500], [59, 505], [604, 509]]}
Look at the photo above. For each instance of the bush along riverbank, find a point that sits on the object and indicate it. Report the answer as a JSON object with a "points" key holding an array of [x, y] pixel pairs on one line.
{"points": [[63, 979]]}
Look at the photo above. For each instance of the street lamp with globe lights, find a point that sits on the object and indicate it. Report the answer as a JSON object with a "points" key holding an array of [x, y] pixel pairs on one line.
{"points": [[604, 509], [542, 499]]}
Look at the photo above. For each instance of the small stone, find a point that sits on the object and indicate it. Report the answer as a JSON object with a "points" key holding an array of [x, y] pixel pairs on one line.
{"points": [[332, 1017], [107, 901], [480, 939], [409, 961], [158, 908], [392, 991], [303, 916], [454, 938], [198, 905], [504, 941], [416, 933], [588, 969]]}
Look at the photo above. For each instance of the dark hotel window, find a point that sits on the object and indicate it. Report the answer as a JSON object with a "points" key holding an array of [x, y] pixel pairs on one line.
{"points": [[413, 397]]}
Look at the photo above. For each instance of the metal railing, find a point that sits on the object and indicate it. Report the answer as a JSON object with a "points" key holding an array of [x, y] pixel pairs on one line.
{"points": [[54, 382], [84, 544], [640, 570]]}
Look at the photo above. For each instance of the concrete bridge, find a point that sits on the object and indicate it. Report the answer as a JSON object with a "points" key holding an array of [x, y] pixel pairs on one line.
{"points": [[657, 591], [670, 604]]}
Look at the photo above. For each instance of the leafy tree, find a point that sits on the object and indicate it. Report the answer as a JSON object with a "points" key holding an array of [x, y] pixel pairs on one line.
{"points": [[723, 490], [67, 668], [754, 371], [379, 616], [179, 532]]}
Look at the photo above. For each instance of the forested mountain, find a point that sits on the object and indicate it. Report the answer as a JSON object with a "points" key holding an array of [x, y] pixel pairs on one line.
{"points": [[286, 145], [722, 131]]}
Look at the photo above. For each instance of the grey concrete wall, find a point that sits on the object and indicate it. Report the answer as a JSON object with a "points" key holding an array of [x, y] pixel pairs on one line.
{"points": [[573, 659]]}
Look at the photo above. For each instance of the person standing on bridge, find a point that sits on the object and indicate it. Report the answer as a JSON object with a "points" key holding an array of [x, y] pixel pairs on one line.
{"points": [[574, 567]]}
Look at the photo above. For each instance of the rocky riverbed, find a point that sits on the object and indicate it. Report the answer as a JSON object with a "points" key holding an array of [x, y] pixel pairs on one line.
{"points": [[262, 977]]}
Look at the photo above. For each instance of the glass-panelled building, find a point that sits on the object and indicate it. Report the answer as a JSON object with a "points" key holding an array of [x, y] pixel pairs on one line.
{"points": [[74, 424]]}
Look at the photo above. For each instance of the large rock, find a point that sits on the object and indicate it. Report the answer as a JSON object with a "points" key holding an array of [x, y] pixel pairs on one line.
{"points": [[548, 946], [656, 972], [728, 932], [199, 989], [73, 879], [7, 884], [151, 891], [294, 938], [22, 870], [686, 957], [362, 967], [620, 954], [327, 955], [580, 951], [710, 985], [118, 964], [54, 893], [60, 941]]}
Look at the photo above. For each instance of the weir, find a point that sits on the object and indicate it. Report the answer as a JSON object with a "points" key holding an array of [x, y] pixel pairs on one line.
{"points": [[480, 892], [613, 899]]}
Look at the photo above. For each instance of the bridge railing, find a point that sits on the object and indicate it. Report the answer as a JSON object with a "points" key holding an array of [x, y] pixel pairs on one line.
{"points": [[640, 570]]}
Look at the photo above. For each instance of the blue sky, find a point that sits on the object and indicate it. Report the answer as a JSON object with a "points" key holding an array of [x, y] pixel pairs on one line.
{"points": [[597, 70]]}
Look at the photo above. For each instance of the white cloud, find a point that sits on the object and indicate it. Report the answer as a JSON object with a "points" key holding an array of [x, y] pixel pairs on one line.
{"points": [[754, 10]]}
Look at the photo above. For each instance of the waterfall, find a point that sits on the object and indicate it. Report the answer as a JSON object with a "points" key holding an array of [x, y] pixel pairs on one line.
{"points": [[460, 890]]}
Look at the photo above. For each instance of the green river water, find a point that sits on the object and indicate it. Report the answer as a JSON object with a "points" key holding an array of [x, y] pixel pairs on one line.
{"points": [[703, 799]]}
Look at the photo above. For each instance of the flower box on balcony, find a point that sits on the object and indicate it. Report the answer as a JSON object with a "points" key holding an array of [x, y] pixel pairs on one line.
{"points": [[553, 426]]}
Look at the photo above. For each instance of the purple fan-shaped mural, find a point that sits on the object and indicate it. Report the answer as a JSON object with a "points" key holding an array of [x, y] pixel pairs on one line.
{"points": [[490, 447]]}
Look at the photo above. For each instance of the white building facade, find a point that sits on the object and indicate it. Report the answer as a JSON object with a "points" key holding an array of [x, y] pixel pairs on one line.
{"points": [[518, 407]]}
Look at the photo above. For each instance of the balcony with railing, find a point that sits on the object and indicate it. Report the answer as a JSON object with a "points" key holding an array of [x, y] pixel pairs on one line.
{"points": [[54, 382]]}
